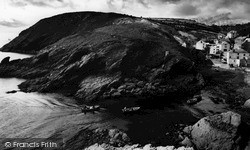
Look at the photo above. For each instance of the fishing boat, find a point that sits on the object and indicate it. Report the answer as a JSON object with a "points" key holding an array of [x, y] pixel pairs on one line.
{"points": [[131, 109], [86, 108], [11, 92]]}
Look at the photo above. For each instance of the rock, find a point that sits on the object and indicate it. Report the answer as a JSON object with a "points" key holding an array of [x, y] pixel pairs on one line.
{"points": [[93, 87], [247, 104], [112, 91], [127, 80], [216, 132], [122, 87], [130, 86], [181, 137], [116, 94], [5, 61], [134, 147], [187, 142], [118, 137], [140, 84], [187, 129], [41, 58]]}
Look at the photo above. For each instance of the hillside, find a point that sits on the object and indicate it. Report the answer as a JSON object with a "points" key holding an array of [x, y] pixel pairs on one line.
{"points": [[49, 30], [220, 20], [94, 56]]}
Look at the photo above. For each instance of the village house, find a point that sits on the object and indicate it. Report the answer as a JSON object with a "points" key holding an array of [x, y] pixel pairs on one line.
{"points": [[231, 34], [201, 45], [223, 46], [213, 50], [237, 57]]}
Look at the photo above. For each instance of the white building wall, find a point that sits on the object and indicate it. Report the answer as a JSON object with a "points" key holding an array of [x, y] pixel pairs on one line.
{"points": [[234, 62], [234, 57], [213, 50], [200, 45]]}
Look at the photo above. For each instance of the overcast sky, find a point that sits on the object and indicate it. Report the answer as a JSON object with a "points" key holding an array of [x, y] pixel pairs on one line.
{"points": [[16, 15]]}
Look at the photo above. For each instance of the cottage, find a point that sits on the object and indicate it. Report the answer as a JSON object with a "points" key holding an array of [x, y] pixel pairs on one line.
{"points": [[231, 34], [200, 45], [213, 50], [224, 46], [235, 57]]}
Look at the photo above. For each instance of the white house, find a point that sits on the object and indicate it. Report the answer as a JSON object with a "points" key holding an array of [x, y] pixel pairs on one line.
{"points": [[201, 45], [213, 50], [235, 57], [224, 46]]}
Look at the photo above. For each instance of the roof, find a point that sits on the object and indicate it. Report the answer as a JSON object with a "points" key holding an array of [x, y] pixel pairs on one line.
{"points": [[210, 41], [238, 51]]}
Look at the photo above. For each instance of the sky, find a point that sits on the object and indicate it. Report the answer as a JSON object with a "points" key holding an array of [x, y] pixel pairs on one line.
{"points": [[17, 15]]}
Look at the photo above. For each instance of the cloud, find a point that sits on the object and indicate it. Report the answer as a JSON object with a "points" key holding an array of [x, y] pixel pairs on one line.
{"points": [[186, 9], [13, 23], [41, 3]]}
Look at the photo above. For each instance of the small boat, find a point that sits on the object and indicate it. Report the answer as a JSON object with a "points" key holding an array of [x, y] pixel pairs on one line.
{"points": [[11, 92], [131, 109], [86, 109]]}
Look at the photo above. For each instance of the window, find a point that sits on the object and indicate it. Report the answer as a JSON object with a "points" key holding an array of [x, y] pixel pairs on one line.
{"points": [[238, 57]]}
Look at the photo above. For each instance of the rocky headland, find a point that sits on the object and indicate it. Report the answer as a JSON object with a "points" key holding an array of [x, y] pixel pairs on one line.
{"points": [[104, 55]]}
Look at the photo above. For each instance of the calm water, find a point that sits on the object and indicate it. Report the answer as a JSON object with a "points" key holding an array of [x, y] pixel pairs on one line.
{"points": [[13, 55], [34, 115]]}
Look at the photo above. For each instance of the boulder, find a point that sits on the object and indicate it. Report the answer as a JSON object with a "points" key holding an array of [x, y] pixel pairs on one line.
{"points": [[116, 94], [134, 147], [140, 84], [6, 60], [217, 132], [130, 86], [118, 138], [247, 104], [187, 142]]}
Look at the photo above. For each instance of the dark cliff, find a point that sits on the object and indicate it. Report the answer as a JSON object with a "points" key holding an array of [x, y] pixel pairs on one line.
{"points": [[104, 55]]}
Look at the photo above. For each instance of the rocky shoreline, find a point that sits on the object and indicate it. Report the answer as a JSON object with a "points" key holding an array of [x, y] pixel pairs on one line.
{"points": [[222, 131]]}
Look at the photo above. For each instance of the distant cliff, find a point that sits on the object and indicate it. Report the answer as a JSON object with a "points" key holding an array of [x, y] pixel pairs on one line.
{"points": [[221, 19]]}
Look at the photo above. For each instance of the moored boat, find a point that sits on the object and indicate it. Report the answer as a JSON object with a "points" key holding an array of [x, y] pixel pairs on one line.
{"points": [[86, 108], [131, 109]]}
